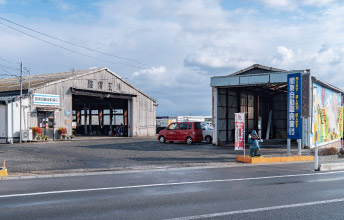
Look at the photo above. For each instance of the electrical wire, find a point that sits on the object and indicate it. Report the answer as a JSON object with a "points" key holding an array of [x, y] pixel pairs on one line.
{"points": [[70, 50], [8, 67], [67, 42], [1, 58], [4, 74]]}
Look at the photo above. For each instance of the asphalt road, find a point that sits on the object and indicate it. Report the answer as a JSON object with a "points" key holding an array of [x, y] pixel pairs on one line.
{"points": [[279, 191]]}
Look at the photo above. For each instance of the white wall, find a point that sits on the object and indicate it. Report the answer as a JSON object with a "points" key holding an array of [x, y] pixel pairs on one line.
{"points": [[11, 130], [3, 126]]}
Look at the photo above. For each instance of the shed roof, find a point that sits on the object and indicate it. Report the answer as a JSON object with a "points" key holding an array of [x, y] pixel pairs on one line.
{"points": [[36, 81], [256, 68], [259, 75]]}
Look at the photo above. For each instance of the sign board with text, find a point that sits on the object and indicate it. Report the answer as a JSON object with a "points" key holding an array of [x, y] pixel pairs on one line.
{"points": [[239, 131], [294, 106], [46, 99]]}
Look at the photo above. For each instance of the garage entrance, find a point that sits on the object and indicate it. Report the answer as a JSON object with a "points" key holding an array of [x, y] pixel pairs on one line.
{"points": [[101, 113], [258, 91], [265, 107]]}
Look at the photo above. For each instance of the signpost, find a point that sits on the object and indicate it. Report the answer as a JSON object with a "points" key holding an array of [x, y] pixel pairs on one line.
{"points": [[294, 123], [240, 131]]}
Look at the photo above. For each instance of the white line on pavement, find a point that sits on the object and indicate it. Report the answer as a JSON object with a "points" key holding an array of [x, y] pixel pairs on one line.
{"points": [[164, 184], [212, 215]]}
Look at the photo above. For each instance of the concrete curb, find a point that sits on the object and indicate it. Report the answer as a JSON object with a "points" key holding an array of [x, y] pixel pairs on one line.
{"points": [[331, 166], [263, 159], [89, 172]]}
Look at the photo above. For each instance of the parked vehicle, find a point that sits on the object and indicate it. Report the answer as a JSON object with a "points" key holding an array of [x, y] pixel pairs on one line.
{"points": [[188, 132], [207, 134]]}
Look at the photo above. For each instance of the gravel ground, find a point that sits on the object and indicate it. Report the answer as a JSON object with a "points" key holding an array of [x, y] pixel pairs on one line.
{"points": [[112, 154]]}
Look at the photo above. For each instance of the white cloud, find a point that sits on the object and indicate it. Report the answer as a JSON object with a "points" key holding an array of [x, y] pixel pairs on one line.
{"points": [[218, 58], [287, 4], [294, 4], [186, 42]]}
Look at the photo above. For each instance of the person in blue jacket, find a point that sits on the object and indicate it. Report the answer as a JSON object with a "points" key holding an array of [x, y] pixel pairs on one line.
{"points": [[254, 140]]}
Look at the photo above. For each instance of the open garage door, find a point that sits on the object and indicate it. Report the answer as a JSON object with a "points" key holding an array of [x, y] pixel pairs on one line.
{"points": [[101, 113]]}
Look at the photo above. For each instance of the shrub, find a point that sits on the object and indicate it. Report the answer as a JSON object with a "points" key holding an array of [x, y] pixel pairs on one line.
{"points": [[328, 151], [37, 130], [39, 137], [62, 130]]}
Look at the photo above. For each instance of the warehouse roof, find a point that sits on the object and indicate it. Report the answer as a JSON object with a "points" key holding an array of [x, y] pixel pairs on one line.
{"points": [[35, 81], [259, 75]]}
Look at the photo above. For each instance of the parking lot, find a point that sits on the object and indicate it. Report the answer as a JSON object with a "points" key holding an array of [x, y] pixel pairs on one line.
{"points": [[111, 153], [107, 154]]}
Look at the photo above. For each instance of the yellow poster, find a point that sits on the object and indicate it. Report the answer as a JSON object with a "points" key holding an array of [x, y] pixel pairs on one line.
{"points": [[340, 121], [324, 123]]}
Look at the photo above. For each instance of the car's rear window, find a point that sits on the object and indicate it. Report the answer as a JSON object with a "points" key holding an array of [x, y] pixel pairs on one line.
{"points": [[198, 126]]}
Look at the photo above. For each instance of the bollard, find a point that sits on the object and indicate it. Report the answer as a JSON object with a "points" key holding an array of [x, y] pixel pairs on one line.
{"points": [[3, 170], [316, 157]]}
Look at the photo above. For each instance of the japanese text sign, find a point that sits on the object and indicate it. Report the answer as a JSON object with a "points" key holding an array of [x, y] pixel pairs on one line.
{"points": [[239, 131], [294, 106]]}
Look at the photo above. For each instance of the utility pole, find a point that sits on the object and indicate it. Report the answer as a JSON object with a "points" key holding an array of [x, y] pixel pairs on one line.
{"points": [[20, 98]]}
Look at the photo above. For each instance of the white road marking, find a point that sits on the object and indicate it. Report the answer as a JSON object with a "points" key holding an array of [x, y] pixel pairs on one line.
{"points": [[164, 184], [212, 215]]}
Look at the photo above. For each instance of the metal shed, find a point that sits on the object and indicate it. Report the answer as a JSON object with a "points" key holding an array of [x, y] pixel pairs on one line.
{"points": [[261, 92], [88, 102]]}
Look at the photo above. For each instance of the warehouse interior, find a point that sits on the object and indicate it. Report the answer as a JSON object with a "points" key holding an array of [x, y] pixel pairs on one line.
{"points": [[265, 106], [100, 113]]}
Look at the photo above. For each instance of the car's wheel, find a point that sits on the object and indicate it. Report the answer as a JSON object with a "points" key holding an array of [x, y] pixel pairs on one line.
{"points": [[208, 139], [189, 140], [162, 139]]}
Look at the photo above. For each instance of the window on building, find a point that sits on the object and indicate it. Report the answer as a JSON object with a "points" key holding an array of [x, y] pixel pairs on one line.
{"points": [[83, 117], [110, 87], [95, 117]]}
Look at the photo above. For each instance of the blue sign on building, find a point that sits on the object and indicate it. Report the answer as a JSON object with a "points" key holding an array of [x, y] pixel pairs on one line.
{"points": [[46, 99], [294, 123]]}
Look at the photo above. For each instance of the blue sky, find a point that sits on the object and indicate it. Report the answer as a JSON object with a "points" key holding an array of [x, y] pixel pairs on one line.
{"points": [[183, 43]]}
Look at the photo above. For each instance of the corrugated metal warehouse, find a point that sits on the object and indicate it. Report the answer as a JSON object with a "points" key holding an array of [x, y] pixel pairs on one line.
{"points": [[88, 102], [262, 93]]}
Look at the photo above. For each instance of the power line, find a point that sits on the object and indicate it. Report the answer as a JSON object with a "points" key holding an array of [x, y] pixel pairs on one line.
{"points": [[1, 58], [8, 67], [77, 45], [4, 74], [48, 42]]}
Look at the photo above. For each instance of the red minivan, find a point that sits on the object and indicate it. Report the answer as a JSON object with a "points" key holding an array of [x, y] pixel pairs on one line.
{"points": [[188, 132]]}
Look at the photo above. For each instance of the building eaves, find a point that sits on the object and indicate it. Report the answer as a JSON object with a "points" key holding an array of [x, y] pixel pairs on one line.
{"points": [[42, 80], [251, 79], [257, 66], [327, 85], [129, 84]]}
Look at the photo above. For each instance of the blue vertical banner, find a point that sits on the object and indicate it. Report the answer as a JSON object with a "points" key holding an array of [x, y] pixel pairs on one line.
{"points": [[294, 123]]}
